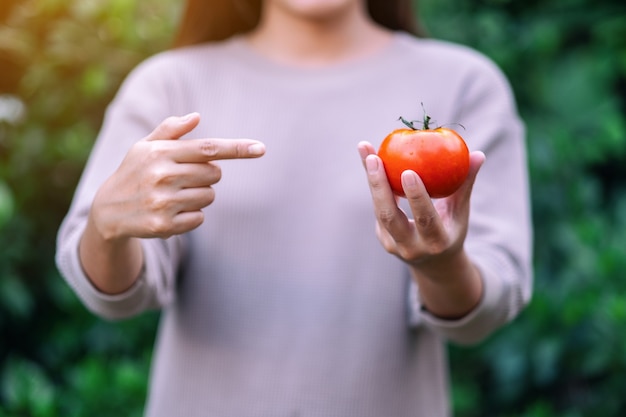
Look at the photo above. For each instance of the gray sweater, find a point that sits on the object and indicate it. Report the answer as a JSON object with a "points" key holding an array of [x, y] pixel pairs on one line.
{"points": [[283, 303]]}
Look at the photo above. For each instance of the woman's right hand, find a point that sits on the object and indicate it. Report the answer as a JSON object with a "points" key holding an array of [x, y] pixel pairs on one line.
{"points": [[158, 191], [163, 183]]}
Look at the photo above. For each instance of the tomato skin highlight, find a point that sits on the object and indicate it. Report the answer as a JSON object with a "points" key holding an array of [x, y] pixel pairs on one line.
{"points": [[439, 156]]}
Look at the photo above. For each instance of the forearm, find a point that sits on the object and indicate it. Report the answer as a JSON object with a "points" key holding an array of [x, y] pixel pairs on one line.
{"points": [[449, 290], [112, 264]]}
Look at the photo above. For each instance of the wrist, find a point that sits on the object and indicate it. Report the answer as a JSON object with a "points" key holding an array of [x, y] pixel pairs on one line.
{"points": [[111, 262], [102, 223], [445, 267], [450, 287]]}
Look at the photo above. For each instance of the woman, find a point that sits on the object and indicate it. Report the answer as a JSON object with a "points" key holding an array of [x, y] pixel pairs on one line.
{"points": [[248, 221]]}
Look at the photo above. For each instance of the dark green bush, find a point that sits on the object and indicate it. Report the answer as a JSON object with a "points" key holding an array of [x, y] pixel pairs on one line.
{"points": [[62, 61]]}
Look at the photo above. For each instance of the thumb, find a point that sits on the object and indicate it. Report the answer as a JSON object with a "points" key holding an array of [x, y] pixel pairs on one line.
{"points": [[477, 158], [174, 127]]}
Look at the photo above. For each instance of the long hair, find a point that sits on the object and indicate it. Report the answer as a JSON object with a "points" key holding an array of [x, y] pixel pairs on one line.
{"points": [[213, 20]]}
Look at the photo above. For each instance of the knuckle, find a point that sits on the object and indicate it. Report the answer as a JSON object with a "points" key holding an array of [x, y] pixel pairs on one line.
{"points": [[158, 176], [209, 148], [386, 216], [158, 202], [160, 226], [149, 153], [376, 185], [158, 150], [425, 221]]}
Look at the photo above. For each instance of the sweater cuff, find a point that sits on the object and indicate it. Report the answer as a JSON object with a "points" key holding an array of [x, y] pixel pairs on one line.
{"points": [[491, 312], [110, 306]]}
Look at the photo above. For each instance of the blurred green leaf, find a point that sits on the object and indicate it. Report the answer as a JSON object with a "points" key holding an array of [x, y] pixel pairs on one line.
{"points": [[7, 205], [27, 389], [14, 296]]}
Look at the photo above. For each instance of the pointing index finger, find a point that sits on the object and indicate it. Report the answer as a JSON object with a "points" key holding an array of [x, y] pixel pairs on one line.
{"points": [[211, 149]]}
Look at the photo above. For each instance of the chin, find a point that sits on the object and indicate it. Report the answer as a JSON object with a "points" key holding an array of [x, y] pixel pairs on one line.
{"points": [[318, 9]]}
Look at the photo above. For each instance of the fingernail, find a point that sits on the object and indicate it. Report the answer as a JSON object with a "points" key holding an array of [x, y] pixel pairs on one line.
{"points": [[256, 149], [371, 163], [408, 179]]}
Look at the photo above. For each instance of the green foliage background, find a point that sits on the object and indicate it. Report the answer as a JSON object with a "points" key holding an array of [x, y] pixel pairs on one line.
{"points": [[62, 60]]}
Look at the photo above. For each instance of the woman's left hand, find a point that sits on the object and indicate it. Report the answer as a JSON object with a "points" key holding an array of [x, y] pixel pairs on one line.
{"points": [[431, 239], [437, 228]]}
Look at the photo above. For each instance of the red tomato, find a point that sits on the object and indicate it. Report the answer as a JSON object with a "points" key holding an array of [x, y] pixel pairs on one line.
{"points": [[439, 156]]}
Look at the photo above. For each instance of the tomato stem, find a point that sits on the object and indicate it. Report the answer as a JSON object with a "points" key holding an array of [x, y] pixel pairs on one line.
{"points": [[410, 124], [426, 118], [426, 122]]}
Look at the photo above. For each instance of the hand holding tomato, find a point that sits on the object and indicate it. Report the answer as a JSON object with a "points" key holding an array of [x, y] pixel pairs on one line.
{"points": [[439, 156], [431, 238], [437, 228]]}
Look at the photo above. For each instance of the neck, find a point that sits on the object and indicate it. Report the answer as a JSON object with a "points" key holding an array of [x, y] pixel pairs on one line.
{"points": [[316, 41]]}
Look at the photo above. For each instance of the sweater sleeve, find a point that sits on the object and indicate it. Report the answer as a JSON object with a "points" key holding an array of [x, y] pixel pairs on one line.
{"points": [[499, 240], [140, 105]]}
